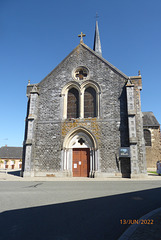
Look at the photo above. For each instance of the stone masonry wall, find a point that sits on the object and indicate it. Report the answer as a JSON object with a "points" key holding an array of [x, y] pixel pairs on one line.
{"points": [[139, 126], [153, 153], [110, 129]]}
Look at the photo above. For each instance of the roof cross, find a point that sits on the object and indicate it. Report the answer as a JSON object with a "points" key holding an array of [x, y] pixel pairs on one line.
{"points": [[97, 16], [81, 36]]}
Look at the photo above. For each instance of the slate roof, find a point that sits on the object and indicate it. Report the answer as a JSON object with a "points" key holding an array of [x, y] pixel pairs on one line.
{"points": [[11, 152], [149, 120]]}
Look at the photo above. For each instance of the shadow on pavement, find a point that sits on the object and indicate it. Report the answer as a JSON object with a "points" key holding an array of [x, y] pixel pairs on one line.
{"points": [[91, 219], [15, 173]]}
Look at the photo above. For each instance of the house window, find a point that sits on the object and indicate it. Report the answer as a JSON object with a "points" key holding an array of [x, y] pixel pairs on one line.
{"points": [[147, 137], [73, 103], [90, 102]]}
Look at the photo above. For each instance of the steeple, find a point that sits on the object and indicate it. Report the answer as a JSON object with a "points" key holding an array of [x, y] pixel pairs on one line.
{"points": [[97, 42]]}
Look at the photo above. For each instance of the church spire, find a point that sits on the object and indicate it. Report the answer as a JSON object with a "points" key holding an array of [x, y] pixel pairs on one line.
{"points": [[97, 42]]}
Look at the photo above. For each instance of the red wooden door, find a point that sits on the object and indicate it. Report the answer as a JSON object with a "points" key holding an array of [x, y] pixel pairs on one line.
{"points": [[81, 162]]}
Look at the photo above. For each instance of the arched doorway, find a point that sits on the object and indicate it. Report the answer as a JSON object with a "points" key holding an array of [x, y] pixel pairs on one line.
{"points": [[80, 153], [81, 162]]}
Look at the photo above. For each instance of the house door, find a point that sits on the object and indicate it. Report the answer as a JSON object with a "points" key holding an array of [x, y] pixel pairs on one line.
{"points": [[81, 162]]}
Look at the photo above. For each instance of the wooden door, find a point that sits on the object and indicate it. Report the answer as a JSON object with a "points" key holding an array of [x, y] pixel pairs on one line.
{"points": [[81, 162]]}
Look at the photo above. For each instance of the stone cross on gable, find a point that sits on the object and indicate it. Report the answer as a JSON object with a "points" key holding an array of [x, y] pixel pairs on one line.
{"points": [[81, 36]]}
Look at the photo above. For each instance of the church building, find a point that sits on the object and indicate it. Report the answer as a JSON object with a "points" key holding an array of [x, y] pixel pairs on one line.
{"points": [[84, 119]]}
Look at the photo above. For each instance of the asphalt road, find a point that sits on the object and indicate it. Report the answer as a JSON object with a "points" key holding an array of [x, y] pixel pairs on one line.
{"points": [[73, 210]]}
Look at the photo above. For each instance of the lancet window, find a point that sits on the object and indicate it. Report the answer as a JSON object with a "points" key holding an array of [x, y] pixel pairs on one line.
{"points": [[80, 101], [147, 137], [73, 103], [90, 102]]}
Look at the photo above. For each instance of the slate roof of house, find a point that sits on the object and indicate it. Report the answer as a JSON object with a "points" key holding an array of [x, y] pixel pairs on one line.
{"points": [[11, 152], [149, 120]]}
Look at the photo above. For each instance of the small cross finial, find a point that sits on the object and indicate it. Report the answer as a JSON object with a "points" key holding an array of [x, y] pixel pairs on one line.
{"points": [[81, 36], [97, 16]]}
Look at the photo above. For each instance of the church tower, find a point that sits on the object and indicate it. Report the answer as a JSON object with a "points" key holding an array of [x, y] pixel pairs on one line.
{"points": [[84, 119]]}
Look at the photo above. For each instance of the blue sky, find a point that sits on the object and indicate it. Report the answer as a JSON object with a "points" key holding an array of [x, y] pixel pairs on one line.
{"points": [[36, 35]]}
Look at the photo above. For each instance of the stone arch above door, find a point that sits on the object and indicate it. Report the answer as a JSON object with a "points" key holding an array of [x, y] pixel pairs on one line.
{"points": [[73, 139], [80, 138]]}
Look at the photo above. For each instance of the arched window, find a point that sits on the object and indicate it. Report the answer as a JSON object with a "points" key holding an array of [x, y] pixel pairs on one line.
{"points": [[147, 137], [90, 102], [73, 103], [81, 100]]}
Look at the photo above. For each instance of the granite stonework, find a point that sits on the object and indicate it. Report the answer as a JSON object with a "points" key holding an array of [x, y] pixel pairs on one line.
{"points": [[153, 148], [47, 144]]}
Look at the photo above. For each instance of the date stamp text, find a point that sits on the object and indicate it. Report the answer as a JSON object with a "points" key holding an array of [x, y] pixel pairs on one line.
{"points": [[135, 221]]}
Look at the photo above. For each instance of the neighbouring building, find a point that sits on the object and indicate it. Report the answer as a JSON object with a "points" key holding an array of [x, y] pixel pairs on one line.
{"points": [[10, 157], [152, 139], [81, 116]]}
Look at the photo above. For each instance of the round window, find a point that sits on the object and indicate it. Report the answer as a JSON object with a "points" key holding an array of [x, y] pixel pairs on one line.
{"points": [[81, 73]]}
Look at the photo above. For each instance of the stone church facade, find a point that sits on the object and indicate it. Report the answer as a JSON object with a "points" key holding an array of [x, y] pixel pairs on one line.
{"points": [[80, 115]]}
